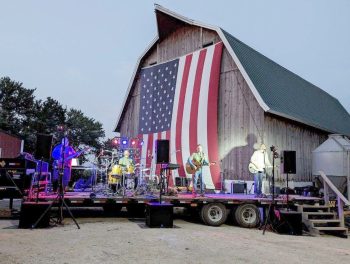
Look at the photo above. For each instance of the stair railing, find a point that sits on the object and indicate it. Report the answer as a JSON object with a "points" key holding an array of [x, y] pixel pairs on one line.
{"points": [[342, 201]]}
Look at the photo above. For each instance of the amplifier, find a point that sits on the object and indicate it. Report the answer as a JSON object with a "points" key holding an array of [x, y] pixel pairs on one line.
{"points": [[238, 187], [181, 182]]}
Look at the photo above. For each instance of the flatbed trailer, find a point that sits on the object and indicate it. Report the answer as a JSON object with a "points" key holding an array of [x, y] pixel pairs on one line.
{"points": [[214, 209]]}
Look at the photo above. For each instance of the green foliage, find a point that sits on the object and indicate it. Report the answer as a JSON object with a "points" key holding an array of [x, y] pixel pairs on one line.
{"points": [[22, 115]]}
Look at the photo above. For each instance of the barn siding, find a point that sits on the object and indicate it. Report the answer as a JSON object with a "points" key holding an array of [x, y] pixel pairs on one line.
{"points": [[242, 123]]}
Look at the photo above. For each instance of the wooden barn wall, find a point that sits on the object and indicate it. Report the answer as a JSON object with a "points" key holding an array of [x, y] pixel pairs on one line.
{"points": [[183, 41], [289, 135], [243, 125], [240, 121]]}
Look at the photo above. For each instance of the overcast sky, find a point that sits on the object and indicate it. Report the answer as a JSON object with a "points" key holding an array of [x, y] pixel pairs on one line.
{"points": [[83, 52]]}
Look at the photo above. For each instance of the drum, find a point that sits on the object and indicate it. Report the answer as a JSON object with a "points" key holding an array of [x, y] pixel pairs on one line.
{"points": [[130, 170], [113, 178], [116, 170]]}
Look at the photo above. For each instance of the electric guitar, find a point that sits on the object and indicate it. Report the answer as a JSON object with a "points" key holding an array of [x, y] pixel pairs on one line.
{"points": [[198, 165], [252, 168]]}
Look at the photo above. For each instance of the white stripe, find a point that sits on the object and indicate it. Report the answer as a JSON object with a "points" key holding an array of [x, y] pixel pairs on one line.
{"points": [[153, 166], [144, 151], [185, 135], [173, 149], [202, 124]]}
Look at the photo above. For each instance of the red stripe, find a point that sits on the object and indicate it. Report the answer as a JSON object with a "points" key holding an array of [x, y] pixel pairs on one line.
{"points": [[195, 101], [180, 110], [171, 183], [149, 151], [212, 123], [159, 136]]}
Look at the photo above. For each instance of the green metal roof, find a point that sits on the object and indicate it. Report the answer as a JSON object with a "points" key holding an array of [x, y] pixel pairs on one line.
{"points": [[289, 95]]}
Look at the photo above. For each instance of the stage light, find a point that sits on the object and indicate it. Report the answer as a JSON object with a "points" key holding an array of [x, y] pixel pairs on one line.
{"points": [[124, 142], [133, 142], [141, 142], [115, 141]]}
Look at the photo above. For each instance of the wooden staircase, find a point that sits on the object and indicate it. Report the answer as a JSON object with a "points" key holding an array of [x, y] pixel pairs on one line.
{"points": [[319, 219]]}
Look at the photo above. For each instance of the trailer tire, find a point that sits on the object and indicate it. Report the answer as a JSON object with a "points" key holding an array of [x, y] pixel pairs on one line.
{"points": [[136, 210], [214, 214], [247, 215]]}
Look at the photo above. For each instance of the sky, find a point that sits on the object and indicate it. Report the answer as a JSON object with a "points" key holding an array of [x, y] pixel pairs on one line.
{"points": [[83, 52]]}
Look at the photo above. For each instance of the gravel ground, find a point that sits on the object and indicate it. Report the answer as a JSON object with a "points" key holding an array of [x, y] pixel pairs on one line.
{"points": [[123, 240]]}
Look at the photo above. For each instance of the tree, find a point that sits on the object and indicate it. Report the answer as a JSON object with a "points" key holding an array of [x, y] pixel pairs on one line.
{"points": [[22, 115], [16, 106]]}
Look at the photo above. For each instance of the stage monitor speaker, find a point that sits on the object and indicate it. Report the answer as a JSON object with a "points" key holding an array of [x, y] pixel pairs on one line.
{"points": [[30, 213], [162, 148], [290, 223], [289, 162], [159, 215], [238, 187], [43, 146]]}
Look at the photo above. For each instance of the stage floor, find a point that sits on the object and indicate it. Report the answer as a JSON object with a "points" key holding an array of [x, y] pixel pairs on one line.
{"points": [[96, 198]]}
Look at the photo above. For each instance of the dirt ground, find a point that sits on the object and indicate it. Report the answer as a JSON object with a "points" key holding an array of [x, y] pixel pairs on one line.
{"points": [[123, 240]]}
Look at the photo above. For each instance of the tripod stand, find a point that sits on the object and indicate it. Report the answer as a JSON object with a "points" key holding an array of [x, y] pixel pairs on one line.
{"points": [[60, 195], [271, 209]]}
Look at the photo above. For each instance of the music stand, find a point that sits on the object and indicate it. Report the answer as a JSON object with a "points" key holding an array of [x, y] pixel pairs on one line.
{"points": [[60, 195]]}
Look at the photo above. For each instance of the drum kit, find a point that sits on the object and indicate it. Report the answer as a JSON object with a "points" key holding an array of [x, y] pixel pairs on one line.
{"points": [[119, 180]]}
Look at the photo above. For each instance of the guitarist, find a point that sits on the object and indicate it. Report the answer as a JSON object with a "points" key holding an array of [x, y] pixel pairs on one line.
{"points": [[63, 149], [261, 161], [196, 161]]}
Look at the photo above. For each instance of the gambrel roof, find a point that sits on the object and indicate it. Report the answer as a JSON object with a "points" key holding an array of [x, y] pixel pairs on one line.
{"points": [[277, 90]]}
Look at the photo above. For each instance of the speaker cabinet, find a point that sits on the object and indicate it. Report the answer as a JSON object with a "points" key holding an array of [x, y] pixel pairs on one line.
{"points": [[181, 181], [43, 146], [159, 215], [238, 187], [290, 223], [162, 149], [289, 162], [30, 213]]}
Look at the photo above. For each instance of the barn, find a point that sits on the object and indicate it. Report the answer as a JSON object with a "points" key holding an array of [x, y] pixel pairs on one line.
{"points": [[257, 101], [10, 146]]}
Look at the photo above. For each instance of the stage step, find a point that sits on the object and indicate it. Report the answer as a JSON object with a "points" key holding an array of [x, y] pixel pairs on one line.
{"points": [[325, 222], [313, 208], [320, 220]]}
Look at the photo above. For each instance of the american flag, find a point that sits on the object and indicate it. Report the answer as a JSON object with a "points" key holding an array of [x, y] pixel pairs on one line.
{"points": [[179, 102]]}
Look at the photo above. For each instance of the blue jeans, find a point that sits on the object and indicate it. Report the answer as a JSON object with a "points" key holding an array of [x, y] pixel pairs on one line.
{"points": [[198, 177], [258, 178]]}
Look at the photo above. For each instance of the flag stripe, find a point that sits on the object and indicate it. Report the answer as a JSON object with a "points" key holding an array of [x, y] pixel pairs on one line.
{"points": [[180, 112], [195, 101], [212, 127], [203, 106], [173, 148]]}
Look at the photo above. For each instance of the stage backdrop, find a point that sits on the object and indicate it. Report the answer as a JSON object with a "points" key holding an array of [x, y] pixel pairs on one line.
{"points": [[179, 102]]}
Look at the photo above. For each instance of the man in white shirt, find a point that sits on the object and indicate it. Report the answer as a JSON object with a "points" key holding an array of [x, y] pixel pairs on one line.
{"points": [[261, 161]]}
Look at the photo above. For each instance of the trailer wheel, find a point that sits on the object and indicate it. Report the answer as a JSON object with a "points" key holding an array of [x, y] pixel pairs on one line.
{"points": [[214, 214], [247, 215]]}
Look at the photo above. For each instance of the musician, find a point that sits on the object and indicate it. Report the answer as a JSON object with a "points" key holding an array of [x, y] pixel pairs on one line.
{"points": [[200, 159], [261, 161], [126, 162], [62, 152]]}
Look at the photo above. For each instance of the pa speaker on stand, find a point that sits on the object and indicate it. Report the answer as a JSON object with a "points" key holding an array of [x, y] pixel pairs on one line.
{"points": [[162, 149]]}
